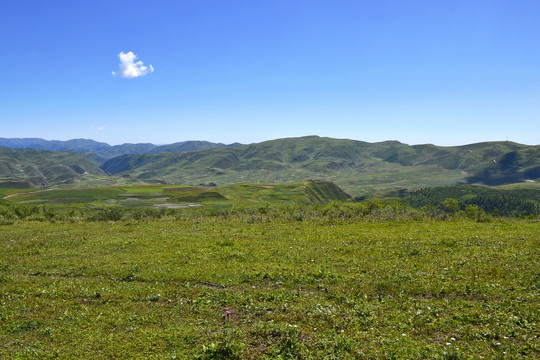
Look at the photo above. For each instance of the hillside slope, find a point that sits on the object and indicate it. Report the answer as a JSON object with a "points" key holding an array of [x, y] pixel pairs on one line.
{"points": [[522, 164], [44, 168], [358, 167]]}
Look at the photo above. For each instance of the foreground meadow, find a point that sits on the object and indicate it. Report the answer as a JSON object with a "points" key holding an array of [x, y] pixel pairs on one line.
{"points": [[215, 288]]}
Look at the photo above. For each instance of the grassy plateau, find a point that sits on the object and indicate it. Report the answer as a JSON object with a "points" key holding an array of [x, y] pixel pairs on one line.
{"points": [[248, 286]]}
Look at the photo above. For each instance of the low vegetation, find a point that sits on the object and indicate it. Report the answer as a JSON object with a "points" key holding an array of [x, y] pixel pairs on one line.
{"points": [[373, 280], [251, 271], [496, 201], [175, 196]]}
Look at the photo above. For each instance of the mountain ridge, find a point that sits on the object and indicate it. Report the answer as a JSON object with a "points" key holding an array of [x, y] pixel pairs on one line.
{"points": [[360, 168], [340, 160], [104, 150]]}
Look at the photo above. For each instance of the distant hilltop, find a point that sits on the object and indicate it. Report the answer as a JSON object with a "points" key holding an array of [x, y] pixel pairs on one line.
{"points": [[105, 150], [360, 168]]}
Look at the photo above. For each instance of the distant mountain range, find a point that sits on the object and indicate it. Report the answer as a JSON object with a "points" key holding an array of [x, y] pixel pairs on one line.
{"points": [[360, 168], [104, 150]]}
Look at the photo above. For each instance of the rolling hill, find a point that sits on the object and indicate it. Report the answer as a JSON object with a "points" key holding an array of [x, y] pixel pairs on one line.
{"points": [[511, 167], [359, 168], [28, 167]]}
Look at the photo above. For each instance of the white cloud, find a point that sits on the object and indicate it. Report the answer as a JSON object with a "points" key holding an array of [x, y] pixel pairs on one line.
{"points": [[102, 127], [130, 69]]}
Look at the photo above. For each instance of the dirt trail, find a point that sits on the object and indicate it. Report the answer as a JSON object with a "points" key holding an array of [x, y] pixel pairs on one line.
{"points": [[21, 193]]}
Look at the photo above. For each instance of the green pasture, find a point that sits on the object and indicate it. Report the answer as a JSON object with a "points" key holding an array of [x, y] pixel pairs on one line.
{"points": [[171, 196], [191, 287]]}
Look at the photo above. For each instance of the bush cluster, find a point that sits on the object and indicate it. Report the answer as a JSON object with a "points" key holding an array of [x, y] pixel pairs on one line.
{"points": [[337, 211], [11, 212], [510, 203]]}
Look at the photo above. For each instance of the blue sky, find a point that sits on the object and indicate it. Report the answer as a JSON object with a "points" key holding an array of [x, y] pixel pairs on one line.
{"points": [[442, 72]]}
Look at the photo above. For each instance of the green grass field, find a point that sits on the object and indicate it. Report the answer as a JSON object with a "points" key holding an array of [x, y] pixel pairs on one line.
{"points": [[209, 287], [173, 196]]}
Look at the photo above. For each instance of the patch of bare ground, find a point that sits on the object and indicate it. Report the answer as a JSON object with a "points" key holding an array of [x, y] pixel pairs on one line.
{"points": [[38, 191]]}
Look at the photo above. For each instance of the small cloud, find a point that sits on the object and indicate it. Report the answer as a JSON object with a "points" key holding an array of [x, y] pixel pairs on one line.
{"points": [[101, 128], [129, 68]]}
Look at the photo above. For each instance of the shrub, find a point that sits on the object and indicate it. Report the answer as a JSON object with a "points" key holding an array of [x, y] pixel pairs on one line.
{"points": [[108, 214]]}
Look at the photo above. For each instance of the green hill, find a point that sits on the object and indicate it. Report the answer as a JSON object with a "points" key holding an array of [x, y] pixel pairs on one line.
{"points": [[360, 168], [521, 164], [465, 157], [43, 168], [188, 146]]}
